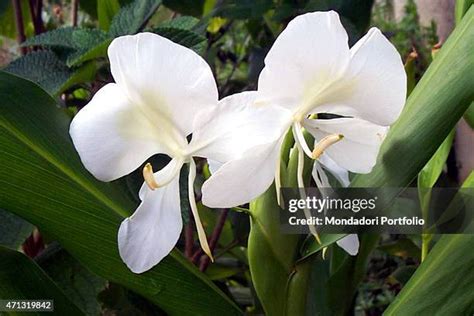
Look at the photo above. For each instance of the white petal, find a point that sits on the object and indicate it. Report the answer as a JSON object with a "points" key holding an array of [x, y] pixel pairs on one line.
{"points": [[239, 181], [164, 175], [341, 174], [112, 136], [214, 165], [374, 87], [165, 78], [358, 150], [320, 176], [236, 125], [153, 230], [309, 54], [350, 244]]}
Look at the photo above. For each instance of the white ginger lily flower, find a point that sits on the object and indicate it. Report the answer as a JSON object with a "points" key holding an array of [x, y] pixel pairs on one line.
{"points": [[163, 93], [311, 70]]}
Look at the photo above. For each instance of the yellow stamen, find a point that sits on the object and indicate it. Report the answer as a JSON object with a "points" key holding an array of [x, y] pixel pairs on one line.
{"points": [[150, 177], [324, 143]]}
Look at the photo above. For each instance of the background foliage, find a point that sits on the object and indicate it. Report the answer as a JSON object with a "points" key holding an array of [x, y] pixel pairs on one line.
{"points": [[58, 224]]}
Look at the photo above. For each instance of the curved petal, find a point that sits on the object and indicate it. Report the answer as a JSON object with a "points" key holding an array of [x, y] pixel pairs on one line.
{"points": [[166, 79], [306, 57], [350, 244], [112, 136], [213, 165], [374, 87], [163, 176], [358, 150], [341, 174], [236, 125], [153, 230], [239, 181]]}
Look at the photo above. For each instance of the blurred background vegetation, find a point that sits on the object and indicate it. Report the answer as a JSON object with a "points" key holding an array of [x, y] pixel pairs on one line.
{"points": [[61, 45]]}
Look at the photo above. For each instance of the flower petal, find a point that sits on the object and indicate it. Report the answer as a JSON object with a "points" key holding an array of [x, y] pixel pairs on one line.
{"points": [[350, 244], [358, 150], [341, 174], [239, 181], [310, 53], [153, 230], [165, 78], [374, 87], [112, 136], [237, 125]]}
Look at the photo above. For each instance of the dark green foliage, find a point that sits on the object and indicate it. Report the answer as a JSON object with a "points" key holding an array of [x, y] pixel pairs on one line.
{"points": [[14, 230], [133, 17], [42, 67], [21, 278], [80, 286]]}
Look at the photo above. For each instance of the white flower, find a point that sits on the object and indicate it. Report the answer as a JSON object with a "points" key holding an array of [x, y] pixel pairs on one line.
{"points": [[311, 71], [163, 94]]}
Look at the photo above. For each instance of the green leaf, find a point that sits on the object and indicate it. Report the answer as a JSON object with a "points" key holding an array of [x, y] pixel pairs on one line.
{"points": [[42, 67], [271, 253], [133, 17], [469, 115], [21, 278], [106, 10], [88, 53], [181, 22], [81, 286], [13, 230], [461, 8], [43, 181], [186, 7], [311, 247], [441, 285], [61, 37], [434, 167], [430, 114], [79, 45], [183, 37], [47, 70]]}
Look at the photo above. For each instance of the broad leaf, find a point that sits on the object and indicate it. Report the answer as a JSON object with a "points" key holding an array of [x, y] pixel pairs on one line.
{"points": [[183, 37], [441, 285], [42, 67], [133, 17], [43, 181], [22, 279], [81, 286], [46, 69]]}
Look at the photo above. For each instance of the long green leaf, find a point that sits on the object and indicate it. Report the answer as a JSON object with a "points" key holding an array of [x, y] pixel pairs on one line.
{"points": [[43, 181], [22, 279], [441, 285]]}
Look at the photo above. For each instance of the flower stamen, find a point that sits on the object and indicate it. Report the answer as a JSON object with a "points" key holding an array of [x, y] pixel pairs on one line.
{"points": [[192, 202], [324, 143], [150, 177], [164, 176], [300, 140]]}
